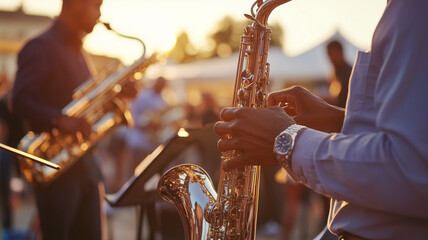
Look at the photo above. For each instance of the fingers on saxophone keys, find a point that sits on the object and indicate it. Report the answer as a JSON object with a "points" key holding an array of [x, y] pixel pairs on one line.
{"points": [[287, 107], [230, 144], [283, 105], [234, 120], [275, 98], [229, 113], [236, 113], [244, 158], [222, 129], [235, 162]]}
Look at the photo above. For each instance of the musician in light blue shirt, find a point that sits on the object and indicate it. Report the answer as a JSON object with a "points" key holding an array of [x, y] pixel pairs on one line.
{"points": [[375, 165]]}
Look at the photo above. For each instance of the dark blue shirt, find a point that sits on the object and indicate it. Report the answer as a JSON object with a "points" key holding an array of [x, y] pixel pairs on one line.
{"points": [[50, 67]]}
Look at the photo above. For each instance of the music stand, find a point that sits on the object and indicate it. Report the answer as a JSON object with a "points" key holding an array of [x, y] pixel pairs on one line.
{"points": [[132, 193]]}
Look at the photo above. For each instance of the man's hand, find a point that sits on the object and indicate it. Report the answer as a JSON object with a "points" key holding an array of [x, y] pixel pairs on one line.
{"points": [[128, 91], [73, 125], [251, 132], [308, 109]]}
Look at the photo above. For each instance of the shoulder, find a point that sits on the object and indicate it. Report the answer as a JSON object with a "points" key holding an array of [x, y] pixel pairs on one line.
{"points": [[38, 49], [39, 44], [408, 15], [402, 27], [34, 44]]}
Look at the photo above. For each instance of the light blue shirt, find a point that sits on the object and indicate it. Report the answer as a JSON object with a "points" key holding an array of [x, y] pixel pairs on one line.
{"points": [[376, 169]]}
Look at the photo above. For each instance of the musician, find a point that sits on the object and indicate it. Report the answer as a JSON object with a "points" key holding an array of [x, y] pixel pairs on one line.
{"points": [[147, 111], [341, 71], [375, 167], [50, 67]]}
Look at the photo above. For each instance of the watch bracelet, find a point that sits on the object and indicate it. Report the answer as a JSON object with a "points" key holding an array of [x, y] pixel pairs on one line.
{"points": [[293, 130]]}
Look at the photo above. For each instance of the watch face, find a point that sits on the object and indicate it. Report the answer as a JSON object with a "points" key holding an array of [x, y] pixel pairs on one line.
{"points": [[283, 144]]}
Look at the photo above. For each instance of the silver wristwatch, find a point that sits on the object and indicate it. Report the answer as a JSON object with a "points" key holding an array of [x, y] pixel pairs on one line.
{"points": [[284, 145]]}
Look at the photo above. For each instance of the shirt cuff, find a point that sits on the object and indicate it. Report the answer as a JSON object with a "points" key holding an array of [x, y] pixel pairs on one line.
{"points": [[302, 160]]}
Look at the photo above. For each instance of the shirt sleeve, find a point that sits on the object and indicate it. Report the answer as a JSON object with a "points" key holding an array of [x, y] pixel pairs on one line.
{"points": [[387, 169], [32, 74]]}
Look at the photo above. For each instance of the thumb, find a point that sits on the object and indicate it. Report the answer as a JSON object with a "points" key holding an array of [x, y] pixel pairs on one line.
{"points": [[233, 163]]}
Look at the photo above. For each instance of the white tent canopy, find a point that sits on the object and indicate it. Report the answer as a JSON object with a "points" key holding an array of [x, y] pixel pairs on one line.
{"points": [[312, 65]]}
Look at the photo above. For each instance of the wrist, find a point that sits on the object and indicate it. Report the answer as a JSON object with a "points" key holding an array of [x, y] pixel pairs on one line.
{"points": [[284, 145]]}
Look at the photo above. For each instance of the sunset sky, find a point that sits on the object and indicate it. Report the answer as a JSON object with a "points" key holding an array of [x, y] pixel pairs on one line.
{"points": [[157, 22]]}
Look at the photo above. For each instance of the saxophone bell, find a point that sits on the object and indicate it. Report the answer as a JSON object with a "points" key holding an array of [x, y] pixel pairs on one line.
{"points": [[190, 189]]}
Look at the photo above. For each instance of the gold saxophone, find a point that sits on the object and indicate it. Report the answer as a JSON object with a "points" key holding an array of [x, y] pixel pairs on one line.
{"points": [[99, 105], [231, 213]]}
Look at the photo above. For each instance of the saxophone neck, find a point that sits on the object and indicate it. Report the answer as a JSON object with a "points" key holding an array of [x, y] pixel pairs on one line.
{"points": [[264, 9]]}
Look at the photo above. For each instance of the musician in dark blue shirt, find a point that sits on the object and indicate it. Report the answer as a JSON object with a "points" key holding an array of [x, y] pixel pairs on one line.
{"points": [[50, 67]]}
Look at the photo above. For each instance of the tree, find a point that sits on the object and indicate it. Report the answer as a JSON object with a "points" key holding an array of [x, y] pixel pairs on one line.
{"points": [[183, 50], [227, 37], [225, 40]]}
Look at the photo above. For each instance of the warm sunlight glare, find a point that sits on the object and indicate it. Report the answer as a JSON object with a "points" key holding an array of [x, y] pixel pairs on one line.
{"points": [[334, 88], [138, 75], [306, 23], [183, 133]]}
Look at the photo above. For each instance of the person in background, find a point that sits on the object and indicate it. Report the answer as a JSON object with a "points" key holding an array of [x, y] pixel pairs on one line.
{"points": [[146, 110], [371, 159], [50, 67], [209, 110], [341, 72]]}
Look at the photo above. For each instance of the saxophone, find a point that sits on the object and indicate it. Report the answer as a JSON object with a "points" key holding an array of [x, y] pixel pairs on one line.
{"points": [[97, 102], [231, 212]]}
